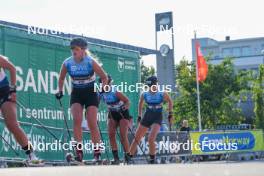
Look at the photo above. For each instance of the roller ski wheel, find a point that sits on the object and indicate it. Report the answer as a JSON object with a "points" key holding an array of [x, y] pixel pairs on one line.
{"points": [[101, 162], [105, 162], [152, 161], [115, 162]]}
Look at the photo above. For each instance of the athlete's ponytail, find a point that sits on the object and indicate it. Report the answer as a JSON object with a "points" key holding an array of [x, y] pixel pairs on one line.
{"points": [[88, 53], [93, 56]]}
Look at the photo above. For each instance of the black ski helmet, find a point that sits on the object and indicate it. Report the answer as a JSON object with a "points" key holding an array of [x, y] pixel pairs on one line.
{"points": [[79, 42], [109, 79], [152, 80]]}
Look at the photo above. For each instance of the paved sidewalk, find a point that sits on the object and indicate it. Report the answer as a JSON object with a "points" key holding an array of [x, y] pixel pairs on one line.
{"points": [[202, 169]]}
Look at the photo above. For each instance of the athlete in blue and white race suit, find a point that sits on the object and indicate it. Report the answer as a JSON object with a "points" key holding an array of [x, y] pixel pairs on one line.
{"points": [[82, 69], [8, 108], [118, 116], [154, 99]]}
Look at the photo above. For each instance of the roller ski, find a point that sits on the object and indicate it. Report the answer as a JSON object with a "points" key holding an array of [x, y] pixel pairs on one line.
{"points": [[33, 161], [101, 162], [152, 160], [115, 162], [128, 160], [98, 161]]}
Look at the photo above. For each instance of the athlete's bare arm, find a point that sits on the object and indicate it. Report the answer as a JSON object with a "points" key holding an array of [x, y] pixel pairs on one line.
{"points": [[63, 73], [100, 72], [168, 99], [5, 64], [123, 98], [140, 105]]}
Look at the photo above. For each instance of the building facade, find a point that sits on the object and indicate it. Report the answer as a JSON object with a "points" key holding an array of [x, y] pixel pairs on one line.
{"points": [[247, 53]]}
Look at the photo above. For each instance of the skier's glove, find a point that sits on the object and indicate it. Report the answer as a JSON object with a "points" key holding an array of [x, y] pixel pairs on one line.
{"points": [[59, 95], [139, 119]]}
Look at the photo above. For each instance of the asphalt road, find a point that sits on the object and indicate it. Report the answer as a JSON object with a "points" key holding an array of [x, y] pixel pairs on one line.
{"points": [[202, 169]]}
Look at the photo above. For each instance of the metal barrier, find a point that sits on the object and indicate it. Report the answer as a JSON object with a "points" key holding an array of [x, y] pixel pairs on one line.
{"points": [[250, 145]]}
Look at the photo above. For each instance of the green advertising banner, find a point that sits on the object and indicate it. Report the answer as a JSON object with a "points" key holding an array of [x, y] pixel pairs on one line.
{"points": [[38, 59], [229, 141], [49, 148]]}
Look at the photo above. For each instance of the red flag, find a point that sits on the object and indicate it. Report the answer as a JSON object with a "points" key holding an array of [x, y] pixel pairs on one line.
{"points": [[201, 63]]}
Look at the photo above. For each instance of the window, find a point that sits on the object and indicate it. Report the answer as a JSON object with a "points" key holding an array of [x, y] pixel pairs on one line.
{"points": [[216, 57], [246, 51], [227, 52], [237, 51]]}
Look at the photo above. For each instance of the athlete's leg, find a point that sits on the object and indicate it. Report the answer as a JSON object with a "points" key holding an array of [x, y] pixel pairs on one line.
{"points": [[77, 113], [9, 112], [155, 128], [112, 128], [91, 113], [141, 131], [123, 126]]}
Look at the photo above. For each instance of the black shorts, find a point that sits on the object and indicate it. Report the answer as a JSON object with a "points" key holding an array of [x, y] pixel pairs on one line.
{"points": [[151, 117], [4, 95], [118, 115], [85, 97]]}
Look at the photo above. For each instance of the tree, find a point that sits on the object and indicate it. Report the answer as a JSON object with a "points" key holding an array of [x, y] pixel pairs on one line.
{"points": [[259, 98], [146, 71], [220, 94]]}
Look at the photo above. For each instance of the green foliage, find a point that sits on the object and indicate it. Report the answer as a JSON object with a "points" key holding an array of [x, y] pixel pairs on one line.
{"points": [[258, 97], [219, 93], [146, 71]]}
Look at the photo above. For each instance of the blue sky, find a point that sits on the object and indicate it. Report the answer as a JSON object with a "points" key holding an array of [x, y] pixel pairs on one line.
{"points": [[133, 22]]}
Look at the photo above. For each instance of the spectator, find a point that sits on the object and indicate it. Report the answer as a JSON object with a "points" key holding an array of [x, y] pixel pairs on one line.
{"points": [[185, 126]]}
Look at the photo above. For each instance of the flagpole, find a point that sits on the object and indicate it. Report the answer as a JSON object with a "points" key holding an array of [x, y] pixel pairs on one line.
{"points": [[197, 87]]}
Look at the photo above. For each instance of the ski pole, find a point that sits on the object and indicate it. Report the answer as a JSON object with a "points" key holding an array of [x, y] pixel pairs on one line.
{"points": [[103, 140], [133, 135], [37, 120], [9, 145], [117, 132], [65, 120], [39, 123]]}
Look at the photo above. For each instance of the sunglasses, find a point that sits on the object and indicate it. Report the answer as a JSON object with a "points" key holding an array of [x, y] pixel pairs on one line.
{"points": [[76, 47]]}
